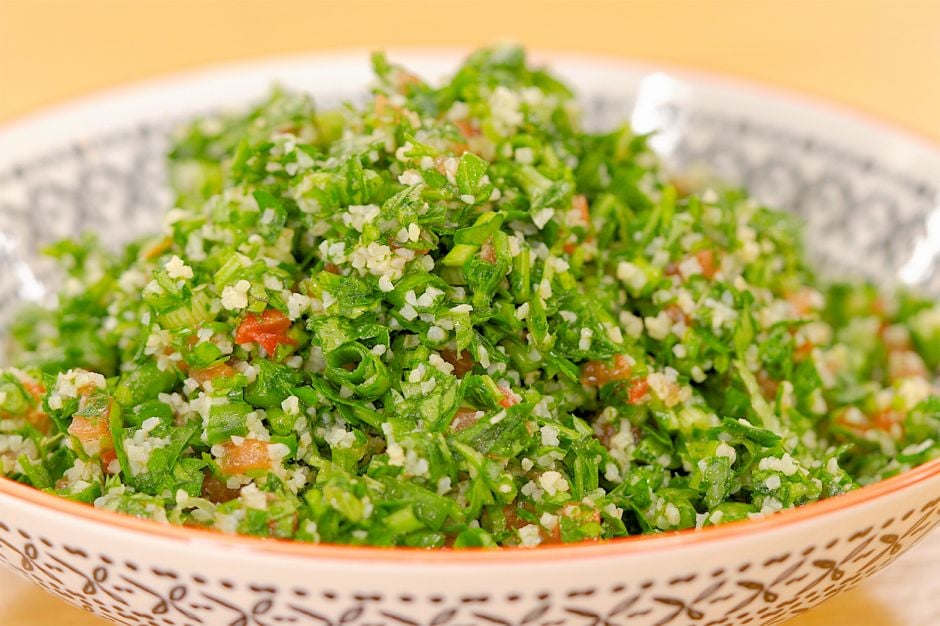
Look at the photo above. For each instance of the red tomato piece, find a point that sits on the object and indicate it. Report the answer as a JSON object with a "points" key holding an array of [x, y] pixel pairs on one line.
{"points": [[267, 330], [250, 454], [639, 389]]}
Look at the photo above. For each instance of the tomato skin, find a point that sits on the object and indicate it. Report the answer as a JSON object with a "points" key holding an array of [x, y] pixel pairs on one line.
{"points": [[706, 259], [250, 454], [802, 301], [36, 416], [267, 330], [35, 388], [580, 203], [219, 370], [92, 430], [509, 398], [675, 313], [464, 418], [462, 362], [215, 490], [107, 457], [906, 364], [598, 373], [638, 390], [467, 129], [803, 351], [884, 420]]}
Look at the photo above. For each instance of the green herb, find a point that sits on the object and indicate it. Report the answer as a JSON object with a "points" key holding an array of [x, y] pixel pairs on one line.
{"points": [[451, 317]]}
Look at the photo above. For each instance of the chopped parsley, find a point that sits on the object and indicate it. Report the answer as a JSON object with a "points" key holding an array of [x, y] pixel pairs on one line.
{"points": [[452, 317]]}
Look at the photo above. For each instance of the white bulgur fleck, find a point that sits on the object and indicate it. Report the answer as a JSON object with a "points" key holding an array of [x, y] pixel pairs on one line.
{"points": [[177, 269], [543, 217], [235, 297], [553, 482], [549, 435], [530, 536]]}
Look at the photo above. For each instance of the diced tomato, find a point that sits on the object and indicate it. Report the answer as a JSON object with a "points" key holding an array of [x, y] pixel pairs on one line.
{"points": [[885, 420], [639, 389], [219, 370], [466, 128], [906, 364], [675, 313], [571, 246], [108, 457], [465, 418], [552, 535], [92, 430], [215, 490], [598, 373], [271, 321], [269, 330], [895, 338], [580, 203], [39, 420], [515, 521], [802, 301], [706, 259], [803, 351], [509, 398], [622, 367], [87, 390], [35, 388], [36, 416], [462, 363], [593, 374], [250, 454]]}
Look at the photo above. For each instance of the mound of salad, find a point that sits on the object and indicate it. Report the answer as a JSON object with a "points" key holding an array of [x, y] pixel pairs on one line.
{"points": [[451, 317]]}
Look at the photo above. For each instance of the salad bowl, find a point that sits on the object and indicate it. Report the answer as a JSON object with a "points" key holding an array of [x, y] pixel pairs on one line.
{"points": [[868, 194]]}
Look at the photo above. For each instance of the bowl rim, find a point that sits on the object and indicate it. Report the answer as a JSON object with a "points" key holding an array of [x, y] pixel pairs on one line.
{"points": [[623, 546]]}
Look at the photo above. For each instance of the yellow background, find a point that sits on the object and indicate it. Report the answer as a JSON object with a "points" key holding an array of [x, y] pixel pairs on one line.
{"points": [[879, 56]]}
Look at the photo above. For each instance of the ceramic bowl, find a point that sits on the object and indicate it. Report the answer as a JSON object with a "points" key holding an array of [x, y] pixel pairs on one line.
{"points": [[868, 192]]}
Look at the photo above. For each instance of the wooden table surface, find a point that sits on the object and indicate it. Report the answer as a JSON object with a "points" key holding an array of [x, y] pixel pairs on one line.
{"points": [[879, 56]]}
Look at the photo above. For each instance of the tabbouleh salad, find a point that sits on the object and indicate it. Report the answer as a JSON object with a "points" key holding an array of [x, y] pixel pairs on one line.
{"points": [[451, 317]]}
